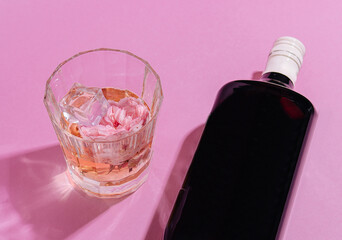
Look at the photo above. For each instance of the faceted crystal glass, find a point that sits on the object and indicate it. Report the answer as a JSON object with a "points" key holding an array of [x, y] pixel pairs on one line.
{"points": [[105, 168]]}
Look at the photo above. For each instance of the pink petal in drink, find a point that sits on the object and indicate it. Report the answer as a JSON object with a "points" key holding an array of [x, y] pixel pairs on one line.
{"points": [[128, 115]]}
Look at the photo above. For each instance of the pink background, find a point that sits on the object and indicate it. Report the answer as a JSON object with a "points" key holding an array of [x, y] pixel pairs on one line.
{"points": [[196, 47]]}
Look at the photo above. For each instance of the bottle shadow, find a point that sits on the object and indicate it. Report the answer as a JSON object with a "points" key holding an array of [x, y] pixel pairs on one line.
{"points": [[174, 183], [256, 75], [38, 189]]}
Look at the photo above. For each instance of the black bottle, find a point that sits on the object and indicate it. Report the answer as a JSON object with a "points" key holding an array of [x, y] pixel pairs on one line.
{"points": [[241, 175]]}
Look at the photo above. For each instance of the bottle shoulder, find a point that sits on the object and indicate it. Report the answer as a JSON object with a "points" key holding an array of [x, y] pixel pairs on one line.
{"points": [[253, 89]]}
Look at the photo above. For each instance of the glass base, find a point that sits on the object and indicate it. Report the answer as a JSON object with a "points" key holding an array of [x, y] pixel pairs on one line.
{"points": [[116, 189]]}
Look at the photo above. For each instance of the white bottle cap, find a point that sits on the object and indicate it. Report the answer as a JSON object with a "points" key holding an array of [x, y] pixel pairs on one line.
{"points": [[286, 57]]}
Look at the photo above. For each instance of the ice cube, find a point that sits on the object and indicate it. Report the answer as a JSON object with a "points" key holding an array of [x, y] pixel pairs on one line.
{"points": [[84, 105]]}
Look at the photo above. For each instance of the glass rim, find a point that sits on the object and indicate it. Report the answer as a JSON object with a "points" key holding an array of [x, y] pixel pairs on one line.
{"points": [[109, 50]]}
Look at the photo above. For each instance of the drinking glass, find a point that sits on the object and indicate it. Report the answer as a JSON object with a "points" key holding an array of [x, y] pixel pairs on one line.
{"points": [[105, 168]]}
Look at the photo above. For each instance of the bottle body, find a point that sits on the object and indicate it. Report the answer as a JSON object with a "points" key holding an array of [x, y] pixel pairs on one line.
{"points": [[241, 174]]}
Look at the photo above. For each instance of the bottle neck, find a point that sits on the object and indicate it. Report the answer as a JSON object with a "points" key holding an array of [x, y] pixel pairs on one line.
{"points": [[277, 78], [284, 61]]}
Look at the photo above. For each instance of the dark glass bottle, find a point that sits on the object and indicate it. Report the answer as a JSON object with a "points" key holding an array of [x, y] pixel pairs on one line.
{"points": [[241, 175]]}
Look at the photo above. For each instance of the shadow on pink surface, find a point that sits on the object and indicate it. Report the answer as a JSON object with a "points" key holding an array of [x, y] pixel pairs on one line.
{"points": [[256, 75], [174, 184], [39, 191]]}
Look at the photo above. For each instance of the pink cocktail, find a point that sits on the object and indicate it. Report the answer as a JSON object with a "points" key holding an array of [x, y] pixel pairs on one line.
{"points": [[103, 105]]}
